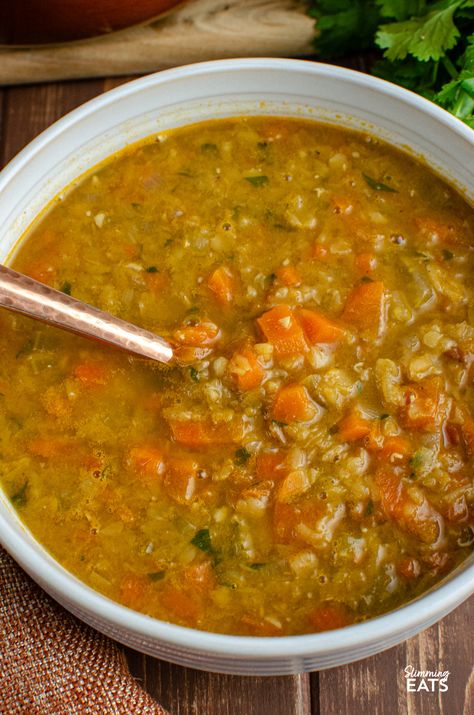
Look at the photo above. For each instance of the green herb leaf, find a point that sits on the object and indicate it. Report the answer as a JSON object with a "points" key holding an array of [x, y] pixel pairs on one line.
{"points": [[385, 416], [242, 456], [378, 185], [20, 498], [447, 255], [193, 373], [210, 149], [151, 269], [66, 288], [426, 38], [257, 180], [369, 509], [344, 26], [156, 575], [202, 540], [257, 567]]}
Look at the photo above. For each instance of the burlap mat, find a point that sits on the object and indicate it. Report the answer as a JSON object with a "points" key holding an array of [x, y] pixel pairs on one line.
{"points": [[52, 664]]}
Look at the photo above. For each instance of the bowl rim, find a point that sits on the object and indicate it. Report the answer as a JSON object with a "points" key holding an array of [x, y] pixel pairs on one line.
{"points": [[425, 610]]}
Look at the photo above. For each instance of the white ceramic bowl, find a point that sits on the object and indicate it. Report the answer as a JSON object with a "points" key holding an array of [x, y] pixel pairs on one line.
{"points": [[172, 98]]}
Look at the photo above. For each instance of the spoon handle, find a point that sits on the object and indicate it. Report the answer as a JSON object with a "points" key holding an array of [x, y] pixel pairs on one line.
{"points": [[22, 294]]}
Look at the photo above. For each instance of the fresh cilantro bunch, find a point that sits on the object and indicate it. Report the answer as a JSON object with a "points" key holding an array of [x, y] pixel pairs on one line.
{"points": [[427, 46]]}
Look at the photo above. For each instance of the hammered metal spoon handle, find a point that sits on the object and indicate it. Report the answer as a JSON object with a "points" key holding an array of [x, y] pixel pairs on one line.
{"points": [[25, 295]]}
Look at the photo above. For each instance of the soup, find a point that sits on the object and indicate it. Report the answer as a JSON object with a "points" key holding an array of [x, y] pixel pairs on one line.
{"points": [[308, 464]]}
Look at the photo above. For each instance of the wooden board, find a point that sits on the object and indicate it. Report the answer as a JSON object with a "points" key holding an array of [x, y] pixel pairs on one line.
{"points": [[375, 686], [200, 30]]}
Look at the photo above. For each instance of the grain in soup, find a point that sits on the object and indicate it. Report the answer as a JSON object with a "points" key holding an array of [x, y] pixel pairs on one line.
{"points": [[309, 463]]}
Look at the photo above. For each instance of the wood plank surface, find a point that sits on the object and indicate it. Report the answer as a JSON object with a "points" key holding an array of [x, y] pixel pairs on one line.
{"points": [[375, 686], [199, 30]]}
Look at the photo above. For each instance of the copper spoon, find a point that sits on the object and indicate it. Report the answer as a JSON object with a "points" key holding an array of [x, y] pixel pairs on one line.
{"points": [[25, 295]]}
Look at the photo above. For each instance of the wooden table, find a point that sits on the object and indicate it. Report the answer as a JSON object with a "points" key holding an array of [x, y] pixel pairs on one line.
{"points": [[375, 686]]}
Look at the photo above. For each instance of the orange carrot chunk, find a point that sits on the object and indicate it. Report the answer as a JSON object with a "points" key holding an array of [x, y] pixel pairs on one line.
{"points": [[293, 404], [427, 406], [221, 283], [353, 427], [288, 276], [147, 460], [366, 263], [202, 433], [197, 334], [330, 616], [271, 465], [91, 373], [180, 479], [246, 370], [396, 447], [282, 330], [365, 306], [318, 328]]}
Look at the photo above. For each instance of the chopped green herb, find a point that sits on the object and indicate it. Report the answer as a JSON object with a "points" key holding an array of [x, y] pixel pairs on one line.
{"points": [[136, 206], [359, 386], [257, 567], [19, 499], [168, 242], [194, 309], [378, 185], [209, 149], [257, 180], [242, 456], [156, 575], [272, 277], [262, 145], [279, 424], [151, 269], [193, 373], [385, 416], [202, 540], [366, 279], [416, 461], [369, 509], [447, 255], [66, 288]]}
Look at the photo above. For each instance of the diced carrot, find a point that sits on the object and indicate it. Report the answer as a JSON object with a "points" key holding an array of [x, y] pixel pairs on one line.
{"points": [[427, 406], [48, 447], [187, 355], [180, 604], [200, 577], [274, 129], [318, 328], [293, 404], [202, 433], [287, 517], [320, 252], [288, 276], [366, 263], [197, 334], [396, 447], [408, 568], [133, 590], [221, 283], [433, 227], [329, 616], [158, 282], [180, 479], [281, 328], [271, 465], [246, 370], [260, 627], [91, 373], [468, 435], [147, 460], [42, 270], [295, 484], [365, 306], [411, 512], [353, 427], [131, 250]]}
